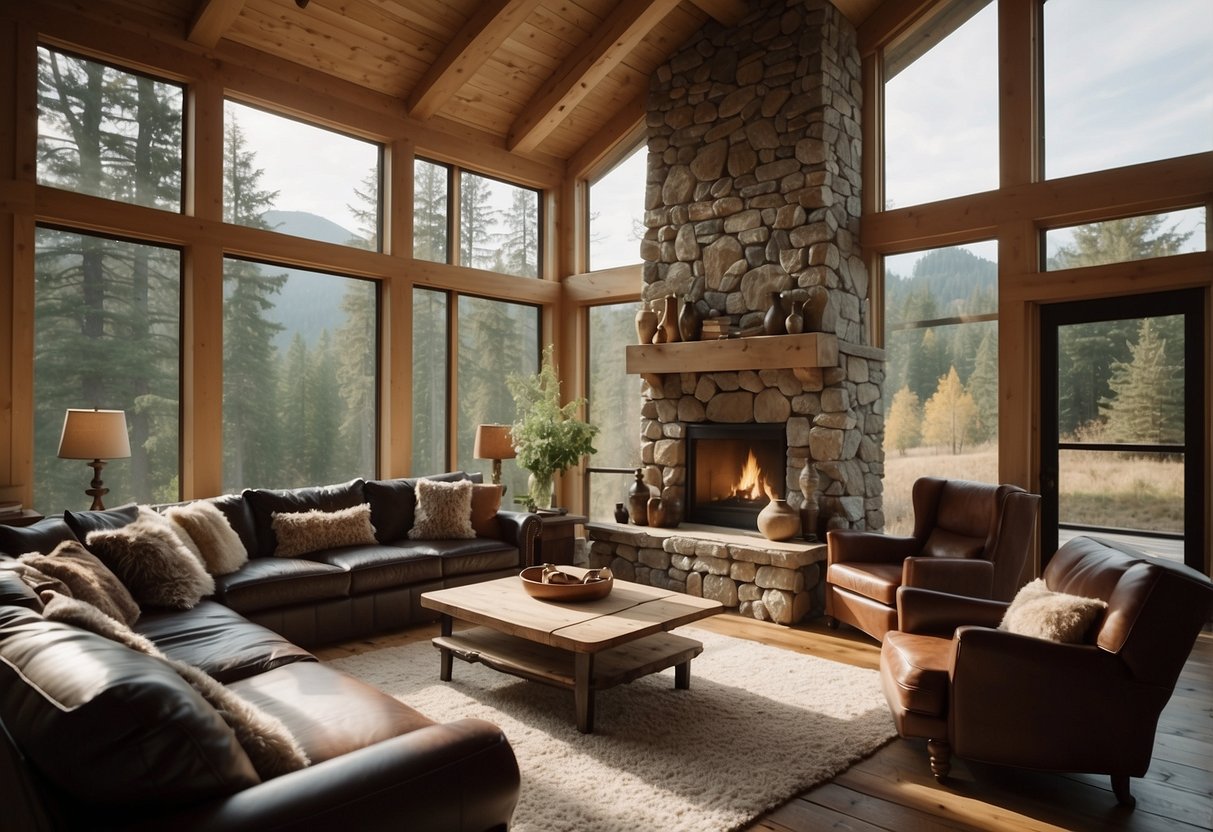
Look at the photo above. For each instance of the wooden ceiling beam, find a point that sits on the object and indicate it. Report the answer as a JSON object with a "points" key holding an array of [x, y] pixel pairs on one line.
{"points": [[211, 19], [724, 12], [614, 40], [486, 30]]}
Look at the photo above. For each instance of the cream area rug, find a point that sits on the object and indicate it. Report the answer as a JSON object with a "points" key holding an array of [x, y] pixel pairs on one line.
{"points": [[758, 726]]}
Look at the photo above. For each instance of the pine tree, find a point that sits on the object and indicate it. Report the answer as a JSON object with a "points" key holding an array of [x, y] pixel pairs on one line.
{"points": [[1146, 405], [292, 466], [903, 424], [429, 331], [366, 210], [430, 198], [949, 414], [983, 385], [322, 424], [927, 363], [476, 220], [1119, 241], [520, 246], [357, 376]]}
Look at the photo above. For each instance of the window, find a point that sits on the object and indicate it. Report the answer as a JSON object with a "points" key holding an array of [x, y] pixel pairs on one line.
{"points": [[498, 226], [1131, 238], [287, 176], [941, 107], [431, 336], [107, 334], [1112, 97], [431, 197], [496, 340], [616, 221], [941, 387], [107, 132], [614, 406], [300, 377]]}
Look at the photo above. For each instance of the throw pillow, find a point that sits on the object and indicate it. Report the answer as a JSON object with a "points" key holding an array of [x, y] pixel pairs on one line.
{"points": [[301, 532], [486, 502], [217, 542], [267, 742], [87, 579], [1040, 612], [444, 511], [149, 559]]}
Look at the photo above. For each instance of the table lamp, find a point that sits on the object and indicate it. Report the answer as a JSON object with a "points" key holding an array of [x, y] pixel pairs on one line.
{"points": [[97, 435], [494, 442]]}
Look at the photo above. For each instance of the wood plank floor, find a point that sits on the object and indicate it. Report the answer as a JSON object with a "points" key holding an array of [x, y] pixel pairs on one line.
{"points": [[893, 789]]}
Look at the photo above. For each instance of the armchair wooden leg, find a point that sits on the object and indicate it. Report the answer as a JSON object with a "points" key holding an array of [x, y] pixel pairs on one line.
{"points": [[831, 622], [1120, 788], [941, 758]]}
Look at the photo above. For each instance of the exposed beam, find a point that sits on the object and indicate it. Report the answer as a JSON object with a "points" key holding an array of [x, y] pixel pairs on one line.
{"points": [[472, 45], [724, 12], [211, 20], [589, 64]]}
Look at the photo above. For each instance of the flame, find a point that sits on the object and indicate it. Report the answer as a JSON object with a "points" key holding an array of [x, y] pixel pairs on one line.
{"points": [[751, 483]]}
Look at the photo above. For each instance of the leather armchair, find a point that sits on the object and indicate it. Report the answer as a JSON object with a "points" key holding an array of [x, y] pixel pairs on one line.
{"points": [[970, 538], [989, 695]]}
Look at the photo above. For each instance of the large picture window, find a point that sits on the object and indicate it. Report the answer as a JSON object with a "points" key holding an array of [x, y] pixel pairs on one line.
{"points": [[614, 407], [107, 132], [616, 220], [498, 226], [107, 335], [431, 339]]}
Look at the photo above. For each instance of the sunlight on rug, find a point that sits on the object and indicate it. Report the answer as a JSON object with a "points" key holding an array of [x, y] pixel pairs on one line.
{"points": [[758, 726]]}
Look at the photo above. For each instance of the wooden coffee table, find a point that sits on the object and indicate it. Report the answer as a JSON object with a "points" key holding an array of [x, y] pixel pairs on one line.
{"points": [[583, 647]]}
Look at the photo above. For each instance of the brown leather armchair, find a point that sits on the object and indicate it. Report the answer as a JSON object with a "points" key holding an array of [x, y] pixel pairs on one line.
{"points": [[993, 696], [970, 538]]}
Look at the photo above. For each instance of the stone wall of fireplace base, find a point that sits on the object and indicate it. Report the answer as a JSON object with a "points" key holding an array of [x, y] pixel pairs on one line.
{"points": [[762, 579]]}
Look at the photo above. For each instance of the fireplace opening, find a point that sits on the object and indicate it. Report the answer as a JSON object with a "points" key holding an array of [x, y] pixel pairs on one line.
{"points": [[733, 471]]}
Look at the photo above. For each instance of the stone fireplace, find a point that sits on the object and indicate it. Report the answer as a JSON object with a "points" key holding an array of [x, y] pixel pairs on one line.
{"points": [[730, 469], [753, 190]]}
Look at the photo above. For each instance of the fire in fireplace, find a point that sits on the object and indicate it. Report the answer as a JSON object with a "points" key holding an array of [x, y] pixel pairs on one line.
{"points": [[733, 471]]}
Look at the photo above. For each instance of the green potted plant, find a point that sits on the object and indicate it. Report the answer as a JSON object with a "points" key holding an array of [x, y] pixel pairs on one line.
{"points": [[548, 438]]}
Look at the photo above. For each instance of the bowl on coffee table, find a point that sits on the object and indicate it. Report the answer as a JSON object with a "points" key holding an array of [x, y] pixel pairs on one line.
{"points": [[592, 585]]}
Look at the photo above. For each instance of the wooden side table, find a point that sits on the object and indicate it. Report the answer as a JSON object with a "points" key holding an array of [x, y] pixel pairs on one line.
{"points": [[557, 541], [26, 517]]}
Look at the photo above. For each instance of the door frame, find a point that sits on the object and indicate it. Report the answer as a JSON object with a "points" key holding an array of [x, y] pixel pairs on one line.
{"points": [[1190, 303]]}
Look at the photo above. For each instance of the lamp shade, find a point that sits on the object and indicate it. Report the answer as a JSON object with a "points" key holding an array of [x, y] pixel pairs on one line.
{"points": [[493, 442], [94, 434]]}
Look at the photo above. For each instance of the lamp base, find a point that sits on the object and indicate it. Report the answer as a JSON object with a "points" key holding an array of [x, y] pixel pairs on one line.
{"points": [[497, 475], [97, 491]]}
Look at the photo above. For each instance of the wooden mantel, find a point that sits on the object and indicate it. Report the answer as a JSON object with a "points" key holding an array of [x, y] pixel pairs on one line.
{"points": [[805, 354]]}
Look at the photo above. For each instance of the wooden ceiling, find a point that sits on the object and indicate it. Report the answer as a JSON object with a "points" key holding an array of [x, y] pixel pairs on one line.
{"points": [[543, 77]]}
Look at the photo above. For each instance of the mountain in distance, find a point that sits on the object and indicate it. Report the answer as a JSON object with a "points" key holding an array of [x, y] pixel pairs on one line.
{"points": [[945, 282]]}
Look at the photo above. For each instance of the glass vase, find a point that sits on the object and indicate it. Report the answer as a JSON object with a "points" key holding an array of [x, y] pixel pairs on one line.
{"points": [[539, 490]]}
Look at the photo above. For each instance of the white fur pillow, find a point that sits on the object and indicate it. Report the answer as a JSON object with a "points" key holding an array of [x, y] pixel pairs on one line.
{"points": [[152, 563], [1040, 612], [444, 511], [301, 532], [218, 545]]}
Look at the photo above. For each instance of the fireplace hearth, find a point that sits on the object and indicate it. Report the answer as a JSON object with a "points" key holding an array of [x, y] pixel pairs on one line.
{"points": [[733, 471]]}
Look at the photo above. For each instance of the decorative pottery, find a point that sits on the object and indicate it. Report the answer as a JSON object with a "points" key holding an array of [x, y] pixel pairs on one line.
{"points": [[673, 511], [594, 584], [656, 509], [778, 521], [813, 310], [621, 514], [646, 325], [773, 321], [808, 511], [669, 320], [539, 490], [793, 324], [689, 322], [638, 500]]}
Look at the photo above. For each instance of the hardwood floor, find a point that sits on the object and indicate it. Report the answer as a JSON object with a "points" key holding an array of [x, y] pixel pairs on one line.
{"points": [[893, 789]]}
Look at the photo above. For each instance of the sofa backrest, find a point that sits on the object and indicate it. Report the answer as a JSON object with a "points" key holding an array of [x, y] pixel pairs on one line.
{"points": [[394, 503], [263, 503], [42, 536]]}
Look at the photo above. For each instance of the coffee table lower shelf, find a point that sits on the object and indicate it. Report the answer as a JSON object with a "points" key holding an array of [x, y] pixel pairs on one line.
{"points": [[582, 673]]}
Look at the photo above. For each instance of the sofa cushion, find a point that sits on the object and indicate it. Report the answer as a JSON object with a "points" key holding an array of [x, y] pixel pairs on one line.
{"points": [[239, 516], [219, 640], [41, 537], [444, 511], [465, 557], [394, 502], [919, 666], [263, 583], [377, 567], [328, 712], [303, 532], [86, 578], [148, 557], [83, 522], [13, 590], [486, 502], [218, 546], [110, 726], [264, 503]]}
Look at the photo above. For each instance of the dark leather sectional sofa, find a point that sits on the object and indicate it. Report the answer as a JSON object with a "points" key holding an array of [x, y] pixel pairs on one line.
{"points": [[94, 735]]}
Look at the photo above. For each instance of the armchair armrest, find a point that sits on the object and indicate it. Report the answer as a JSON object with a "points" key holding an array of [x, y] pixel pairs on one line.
{"points": [[960, 576], [849, 545], [521, 529], [927, 612], [454, 777]]}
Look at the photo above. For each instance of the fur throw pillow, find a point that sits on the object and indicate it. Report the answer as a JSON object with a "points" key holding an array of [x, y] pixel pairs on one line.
{"points": [[444, 511], [301, 532], [84, 577], [268, 743], [1040, 612], [149, 559], [218, 545]]}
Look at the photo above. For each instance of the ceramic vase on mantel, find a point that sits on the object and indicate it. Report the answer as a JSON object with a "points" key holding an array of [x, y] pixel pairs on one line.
{"points": [[690, 324], [669, 321], [773, 321], [638, 499], [793, 324], [646, 325], [778, 520], [656, 511]]}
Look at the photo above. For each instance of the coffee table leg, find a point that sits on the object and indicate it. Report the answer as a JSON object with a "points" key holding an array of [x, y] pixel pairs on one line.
{"points": [[583, 694], [444, 625], [682, 676]]}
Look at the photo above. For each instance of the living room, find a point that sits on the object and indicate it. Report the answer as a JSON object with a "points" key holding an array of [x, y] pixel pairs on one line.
{"points": [[538, 114]]}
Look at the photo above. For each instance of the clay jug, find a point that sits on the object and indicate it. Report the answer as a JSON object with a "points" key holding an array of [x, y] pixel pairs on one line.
{"points": [[773, 321], [793, 324], [646, 325], [656, 512], [814, 309], [621, 514], [778, 521], [669, 320], [689, 322], [638, 500]]}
